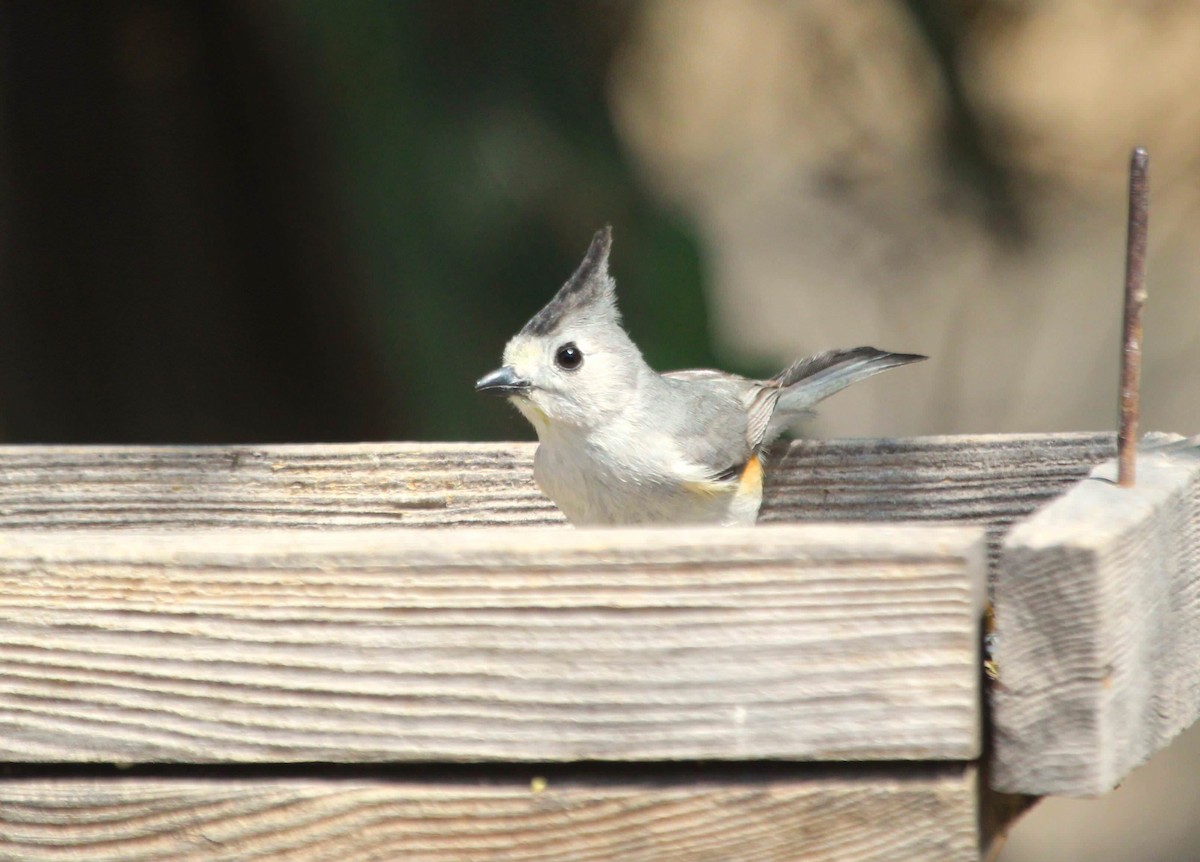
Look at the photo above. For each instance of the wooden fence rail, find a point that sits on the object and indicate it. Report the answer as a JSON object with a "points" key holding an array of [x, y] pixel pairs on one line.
{"points": [[317, 652], [800, 642], [1100, 622]]}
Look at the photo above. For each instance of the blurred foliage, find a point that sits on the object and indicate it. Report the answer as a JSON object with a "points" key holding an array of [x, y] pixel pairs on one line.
{"points": [[476, 153], [307, 220]]}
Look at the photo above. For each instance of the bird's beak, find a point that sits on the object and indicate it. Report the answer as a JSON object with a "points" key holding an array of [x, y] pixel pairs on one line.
{"points": [[503, 381]]}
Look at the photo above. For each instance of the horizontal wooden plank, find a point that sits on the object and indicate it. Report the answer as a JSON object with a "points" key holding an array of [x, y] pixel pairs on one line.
{"points": [[798, 641], [989, 479], [381, 485], [1098, 620], [929, 815]]}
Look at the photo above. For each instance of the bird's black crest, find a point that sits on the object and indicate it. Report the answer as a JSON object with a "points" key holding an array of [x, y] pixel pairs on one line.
{"points": [[589, 284]]}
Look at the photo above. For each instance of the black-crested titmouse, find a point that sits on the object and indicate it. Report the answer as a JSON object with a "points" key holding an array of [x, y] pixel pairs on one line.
{"points": [[622, 444]]}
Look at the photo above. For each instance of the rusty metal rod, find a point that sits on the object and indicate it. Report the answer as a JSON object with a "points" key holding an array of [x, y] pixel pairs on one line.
{"points": [[1131, 329]]}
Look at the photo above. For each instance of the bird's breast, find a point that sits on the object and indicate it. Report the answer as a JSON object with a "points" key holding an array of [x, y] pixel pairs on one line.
{"points": [[596, 485]]}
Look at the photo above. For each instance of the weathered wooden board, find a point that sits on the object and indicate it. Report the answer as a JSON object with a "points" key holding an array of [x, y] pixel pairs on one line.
{"points": [[927, 815], [798, 642], [990, 480], [1098, 615], [345, 485]]}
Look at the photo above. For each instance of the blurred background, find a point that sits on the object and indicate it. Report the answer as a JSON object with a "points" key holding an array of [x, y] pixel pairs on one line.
{"points": [[316, 221]]}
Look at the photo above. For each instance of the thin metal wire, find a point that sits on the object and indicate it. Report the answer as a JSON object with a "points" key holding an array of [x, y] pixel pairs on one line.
{"points": [[1131, 329]]}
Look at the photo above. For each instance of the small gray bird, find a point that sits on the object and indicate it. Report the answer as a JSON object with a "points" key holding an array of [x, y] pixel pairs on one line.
{"points": [[623, 444]]}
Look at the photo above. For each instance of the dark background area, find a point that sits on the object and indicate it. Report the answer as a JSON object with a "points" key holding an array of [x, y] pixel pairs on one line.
{"points": [[306, 221]]}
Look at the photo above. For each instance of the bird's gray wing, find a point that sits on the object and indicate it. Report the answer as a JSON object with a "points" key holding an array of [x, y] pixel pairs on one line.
{"points": [[757, 398], [709, 419], [723, 419]]}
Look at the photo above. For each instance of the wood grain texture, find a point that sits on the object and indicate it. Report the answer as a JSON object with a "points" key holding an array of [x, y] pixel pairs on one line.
{"points": [[990, 480], [1098, 615], [797, 641], [380, 485], [930, 816]]}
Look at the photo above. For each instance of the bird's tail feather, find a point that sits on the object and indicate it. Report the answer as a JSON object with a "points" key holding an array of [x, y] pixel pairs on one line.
{"points": [[814, 379]]}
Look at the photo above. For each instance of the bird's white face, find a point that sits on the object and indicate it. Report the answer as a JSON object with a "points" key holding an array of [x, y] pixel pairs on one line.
{"points": [[572, 368], [577, 377]]}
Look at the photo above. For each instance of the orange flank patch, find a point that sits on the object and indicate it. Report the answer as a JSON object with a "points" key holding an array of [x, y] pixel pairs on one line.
{"points": [[749, 482], [752, 476]]}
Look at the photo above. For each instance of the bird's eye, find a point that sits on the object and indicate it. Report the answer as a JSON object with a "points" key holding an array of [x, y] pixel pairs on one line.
{"points": [[568, 357]]}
